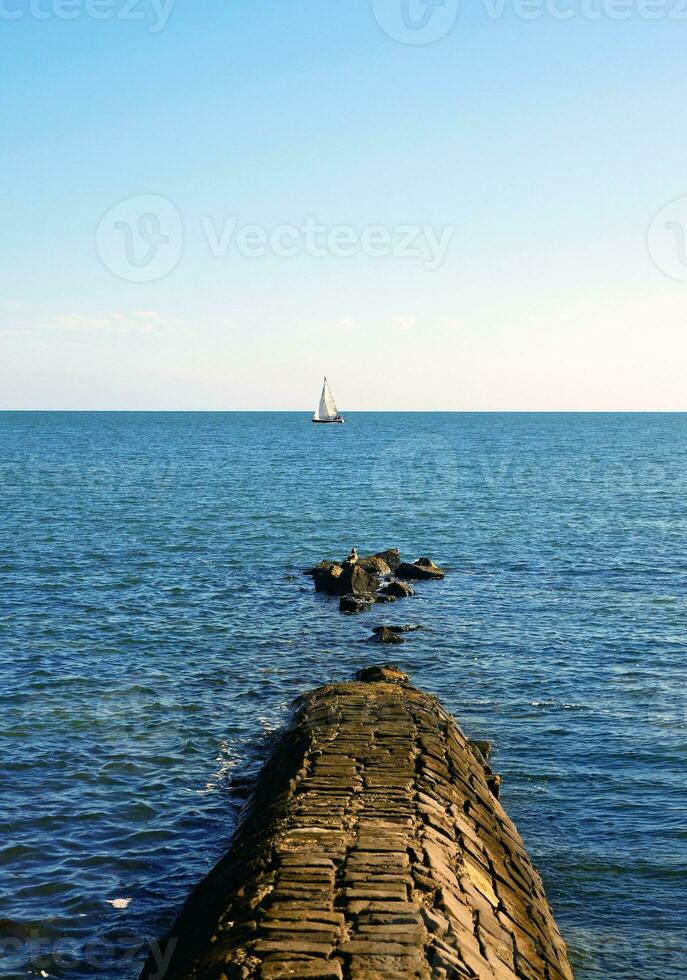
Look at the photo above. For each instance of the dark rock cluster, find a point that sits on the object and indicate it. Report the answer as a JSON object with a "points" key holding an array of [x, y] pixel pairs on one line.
{"points": [[391, 634], [382, 577]]}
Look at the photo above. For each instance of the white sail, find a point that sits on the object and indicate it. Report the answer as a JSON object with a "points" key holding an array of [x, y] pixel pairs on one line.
{"points": [[327, 407]]}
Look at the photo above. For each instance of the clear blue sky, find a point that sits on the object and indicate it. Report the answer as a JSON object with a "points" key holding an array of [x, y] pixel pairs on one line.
{"points": [[544, 146]]}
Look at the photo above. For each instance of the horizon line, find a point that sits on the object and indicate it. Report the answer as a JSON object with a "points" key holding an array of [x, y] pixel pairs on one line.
{"points": [[359, 411]]}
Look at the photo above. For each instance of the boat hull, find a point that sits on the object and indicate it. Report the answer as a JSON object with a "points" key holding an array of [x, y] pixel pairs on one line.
{"points": [[328, 421]]}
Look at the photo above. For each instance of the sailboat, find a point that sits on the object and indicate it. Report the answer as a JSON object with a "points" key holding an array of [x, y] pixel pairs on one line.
{"points": [[326, 410]]}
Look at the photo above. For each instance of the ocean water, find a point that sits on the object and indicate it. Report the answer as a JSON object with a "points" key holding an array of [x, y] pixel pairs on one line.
{"points": [[155, 626]]}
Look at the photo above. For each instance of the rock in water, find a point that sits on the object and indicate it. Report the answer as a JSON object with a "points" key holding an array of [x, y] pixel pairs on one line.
{"points": [[384, 673], [327, 576], [375, 565], [354, 603], [392, 558], [354, 580], [484, 748], [422, 569], [320, 567], [397, 589], [385, 634], [493, 781], [428, 563], [397, 629]]}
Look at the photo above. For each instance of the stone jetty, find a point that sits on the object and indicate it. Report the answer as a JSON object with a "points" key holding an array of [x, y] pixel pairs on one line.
{"points": [[374, 846]]}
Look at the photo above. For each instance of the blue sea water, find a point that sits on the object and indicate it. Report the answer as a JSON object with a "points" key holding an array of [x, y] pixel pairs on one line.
{"points": [[155, 626]]}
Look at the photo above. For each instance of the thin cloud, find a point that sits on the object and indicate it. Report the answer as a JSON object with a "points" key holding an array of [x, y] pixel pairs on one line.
{"points": [[147, 315], [404, 322], [140, 321], [345, 324]]}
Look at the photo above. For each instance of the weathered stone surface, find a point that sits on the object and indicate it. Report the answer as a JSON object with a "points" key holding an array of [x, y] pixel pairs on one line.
{"points": [[423, 568], [348, 578], [392, 558], [301, 970], [382, 596], [372, 848], [321, 567], [399, 590], [397, 629], [375, 564], [355, 603], [354, 580], [327, 576], [385, 634], [386, 673], [483, 748]]}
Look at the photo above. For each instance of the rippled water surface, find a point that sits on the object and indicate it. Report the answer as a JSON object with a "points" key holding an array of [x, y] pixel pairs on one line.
{"points": [[155, 626]]}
